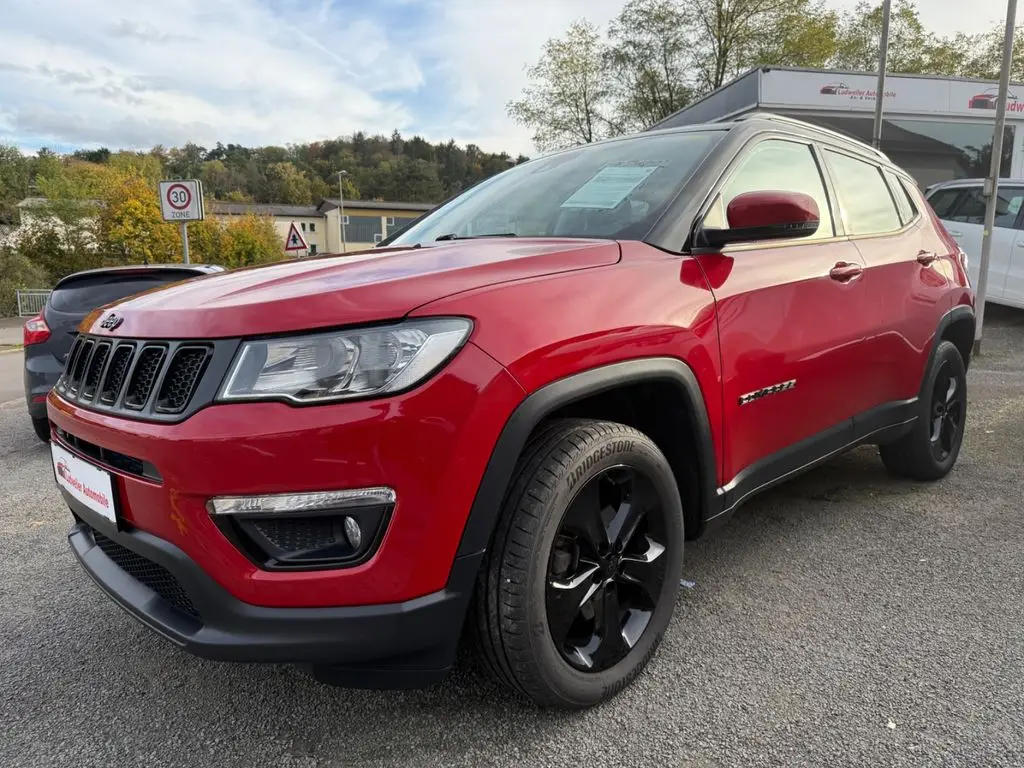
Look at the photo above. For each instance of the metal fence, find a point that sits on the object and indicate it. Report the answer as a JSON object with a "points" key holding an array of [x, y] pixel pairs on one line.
{"points": [[31, 302]]}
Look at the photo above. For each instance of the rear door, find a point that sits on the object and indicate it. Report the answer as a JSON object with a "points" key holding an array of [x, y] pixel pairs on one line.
{"points": [[907, 280], [789, 322]]}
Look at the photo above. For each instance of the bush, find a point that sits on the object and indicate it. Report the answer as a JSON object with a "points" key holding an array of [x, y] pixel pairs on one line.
{"points": [[16, 272]]}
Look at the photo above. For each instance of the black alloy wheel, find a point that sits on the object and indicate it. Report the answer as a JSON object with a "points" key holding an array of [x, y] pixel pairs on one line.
{"points": [[930, 446], [606, 569], [947, 412], [581, 580]]}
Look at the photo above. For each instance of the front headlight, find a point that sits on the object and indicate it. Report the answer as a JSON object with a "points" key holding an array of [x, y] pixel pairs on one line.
{"points": [[338, 365]]}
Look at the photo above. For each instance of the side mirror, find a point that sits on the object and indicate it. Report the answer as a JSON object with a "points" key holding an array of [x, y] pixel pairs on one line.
{"points": [[768, 215]]}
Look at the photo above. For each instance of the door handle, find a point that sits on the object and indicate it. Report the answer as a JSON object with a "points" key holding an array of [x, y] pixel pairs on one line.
{"points": [[844, 272], [926, 257], [955, 233]]}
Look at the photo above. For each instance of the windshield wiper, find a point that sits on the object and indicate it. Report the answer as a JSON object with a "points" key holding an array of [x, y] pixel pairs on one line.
{"points": [[453, 236]]}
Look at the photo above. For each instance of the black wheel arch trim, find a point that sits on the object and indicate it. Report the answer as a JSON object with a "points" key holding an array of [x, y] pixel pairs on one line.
{"points": [[486, 508], [957, 314]]}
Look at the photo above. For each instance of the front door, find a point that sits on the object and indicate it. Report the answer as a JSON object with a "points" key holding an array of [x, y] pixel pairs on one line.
{"points": [[790, 317]]}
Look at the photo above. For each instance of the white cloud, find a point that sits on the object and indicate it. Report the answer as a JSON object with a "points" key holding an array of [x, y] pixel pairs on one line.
{"points": [[132, 73]]}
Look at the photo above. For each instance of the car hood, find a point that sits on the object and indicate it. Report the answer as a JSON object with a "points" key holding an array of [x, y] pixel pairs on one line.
{"points": [[340, 290]]}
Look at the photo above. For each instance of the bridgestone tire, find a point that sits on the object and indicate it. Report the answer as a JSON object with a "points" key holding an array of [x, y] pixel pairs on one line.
{"points": [[912, 456], [509, 613]]}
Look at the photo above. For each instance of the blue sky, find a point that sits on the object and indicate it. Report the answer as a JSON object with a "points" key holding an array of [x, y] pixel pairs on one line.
{"points": [[134, 73]]}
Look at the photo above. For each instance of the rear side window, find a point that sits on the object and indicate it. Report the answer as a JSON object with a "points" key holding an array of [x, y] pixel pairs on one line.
{"points": [[868, 207], [775, 165], [904, 203], [84, 294]]}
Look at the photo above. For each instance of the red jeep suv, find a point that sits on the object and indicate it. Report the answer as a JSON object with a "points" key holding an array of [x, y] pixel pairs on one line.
{"points": [[508, 418]]}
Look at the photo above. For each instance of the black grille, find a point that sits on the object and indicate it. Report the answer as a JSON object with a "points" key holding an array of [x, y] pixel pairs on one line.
{"points": [[76, 364], [145, 571], [120, 461], [115, 374], [158, 380], [299, 535], [181, 378], [94, 369], [140, 386]]}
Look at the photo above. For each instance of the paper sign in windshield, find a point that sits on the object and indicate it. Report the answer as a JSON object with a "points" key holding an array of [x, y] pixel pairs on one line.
{"points": [[609, 187]]}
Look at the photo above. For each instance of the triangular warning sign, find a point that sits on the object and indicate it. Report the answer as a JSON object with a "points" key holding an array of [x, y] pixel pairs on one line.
{"points": [[295, 241]]}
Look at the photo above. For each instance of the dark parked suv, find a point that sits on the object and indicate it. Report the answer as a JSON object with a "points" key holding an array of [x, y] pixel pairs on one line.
{"points": [[509, 418], [48, 336]]}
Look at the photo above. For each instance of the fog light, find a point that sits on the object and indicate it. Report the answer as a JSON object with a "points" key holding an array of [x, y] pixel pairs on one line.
{"points": [[306, 531], [353, 532]]}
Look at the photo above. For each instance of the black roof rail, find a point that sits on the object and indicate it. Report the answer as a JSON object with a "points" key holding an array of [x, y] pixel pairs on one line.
{"points": [[810, 126]]}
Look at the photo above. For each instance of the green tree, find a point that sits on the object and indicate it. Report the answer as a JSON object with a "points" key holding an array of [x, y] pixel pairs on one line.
{"points": [[649, 59], [15, 175], [414, 180], [288, 184], [250, 240], [912, 48], [730, 36], [17, 271], [985, 59], [129, 227], [570, 97]]}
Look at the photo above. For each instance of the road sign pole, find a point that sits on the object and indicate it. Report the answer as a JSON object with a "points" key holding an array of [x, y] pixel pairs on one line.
{"points": [[184, 239], [991, 187]]}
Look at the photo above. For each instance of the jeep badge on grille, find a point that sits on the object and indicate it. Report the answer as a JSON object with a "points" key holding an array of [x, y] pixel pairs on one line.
{"points": [[111, 321]]}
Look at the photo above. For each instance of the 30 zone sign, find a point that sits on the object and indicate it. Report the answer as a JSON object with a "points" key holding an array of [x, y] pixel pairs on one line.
{"points": [[181, 200]]}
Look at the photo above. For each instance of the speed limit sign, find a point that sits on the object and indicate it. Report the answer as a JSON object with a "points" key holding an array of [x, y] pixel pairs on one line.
{"points": [[181, 200]]}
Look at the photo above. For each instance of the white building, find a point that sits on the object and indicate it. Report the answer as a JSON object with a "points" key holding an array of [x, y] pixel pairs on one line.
{"points": [[937, 128]]}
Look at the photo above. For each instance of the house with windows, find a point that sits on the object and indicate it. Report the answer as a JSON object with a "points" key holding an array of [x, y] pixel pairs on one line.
{"points": [[366, 222]]}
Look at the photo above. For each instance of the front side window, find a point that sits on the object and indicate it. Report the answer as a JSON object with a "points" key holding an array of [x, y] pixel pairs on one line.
{"points": [[867, 205], [615, 189], [969, 206], [777, 166]]}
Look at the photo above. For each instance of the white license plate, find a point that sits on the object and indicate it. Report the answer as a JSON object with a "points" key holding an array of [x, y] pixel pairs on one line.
{"points": [[88, 484]]}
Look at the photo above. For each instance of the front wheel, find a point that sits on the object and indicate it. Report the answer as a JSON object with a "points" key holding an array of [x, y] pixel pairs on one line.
{"points": [[931, 447], [582, 577]]}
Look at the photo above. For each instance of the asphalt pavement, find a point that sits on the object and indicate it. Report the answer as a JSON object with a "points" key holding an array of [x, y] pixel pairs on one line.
{"points": [[844, 619]]}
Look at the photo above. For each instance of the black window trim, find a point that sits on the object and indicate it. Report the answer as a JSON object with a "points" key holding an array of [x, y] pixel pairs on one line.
{"points": [[730, 171]]}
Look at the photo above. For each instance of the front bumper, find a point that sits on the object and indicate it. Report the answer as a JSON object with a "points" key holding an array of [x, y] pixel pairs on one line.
{"points": [[431, 445], [397, 645]]}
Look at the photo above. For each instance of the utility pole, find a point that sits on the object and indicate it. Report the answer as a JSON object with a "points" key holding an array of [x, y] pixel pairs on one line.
{"points": [[991, 188], [341, 210], [883, 53]]}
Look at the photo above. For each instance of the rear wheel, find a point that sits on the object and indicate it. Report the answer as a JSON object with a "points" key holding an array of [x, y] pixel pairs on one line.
{"points": [[582, 577], [930, 449], [42, 428]]}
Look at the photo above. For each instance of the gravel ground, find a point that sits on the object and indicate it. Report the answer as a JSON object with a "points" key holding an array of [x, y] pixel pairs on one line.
{"points": [[846, 618]]}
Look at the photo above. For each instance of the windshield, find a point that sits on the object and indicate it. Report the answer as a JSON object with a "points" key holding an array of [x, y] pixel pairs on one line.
{"points": [[611, 190]]}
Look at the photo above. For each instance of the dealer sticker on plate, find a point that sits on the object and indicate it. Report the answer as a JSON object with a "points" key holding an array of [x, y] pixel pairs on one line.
{"points": [[88, 484]]}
